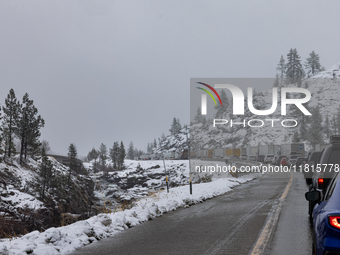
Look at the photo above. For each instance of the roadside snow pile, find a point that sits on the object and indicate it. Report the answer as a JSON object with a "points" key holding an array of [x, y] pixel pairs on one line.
{"points": [[63, 240]]}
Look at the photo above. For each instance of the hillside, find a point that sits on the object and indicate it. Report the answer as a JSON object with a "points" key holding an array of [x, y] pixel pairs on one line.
{"points": [[174, 143], [325, 95], [23, 209]]}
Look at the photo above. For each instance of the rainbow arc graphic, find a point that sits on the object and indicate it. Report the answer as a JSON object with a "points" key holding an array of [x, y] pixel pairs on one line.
{"points": [[209, 93], [204, 98]]}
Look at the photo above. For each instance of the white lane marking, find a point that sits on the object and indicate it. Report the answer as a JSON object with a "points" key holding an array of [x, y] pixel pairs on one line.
{"points": [[220, 242], [271, 222]]}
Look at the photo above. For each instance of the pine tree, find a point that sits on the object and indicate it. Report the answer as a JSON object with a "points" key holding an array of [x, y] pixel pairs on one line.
{"points": [[294, 69], [303, 128], [45, 145], [313, 64], [163, 138], [179, 126], [114, 152], [72, 154], [149, 148], [93, 155], [198, 116], [136, 152], [121, 156], [131, 153], [45, 174], [334, 126], [281, 67], [221, 110], [175, 126], [276, 81], [11, 110], [327, 127], [337, 122], [315, 129], [28, 127], [102, 156]]}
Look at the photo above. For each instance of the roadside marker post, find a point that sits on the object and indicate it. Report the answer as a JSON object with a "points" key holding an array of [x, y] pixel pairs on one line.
{"points": [[190, 181], [166, 176]]}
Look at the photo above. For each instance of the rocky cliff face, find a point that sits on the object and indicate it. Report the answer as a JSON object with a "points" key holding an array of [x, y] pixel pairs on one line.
{"points": [[21, 207]]}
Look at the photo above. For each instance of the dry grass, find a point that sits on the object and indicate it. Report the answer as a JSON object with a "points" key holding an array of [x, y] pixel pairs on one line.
{"points": [[11, 228]]}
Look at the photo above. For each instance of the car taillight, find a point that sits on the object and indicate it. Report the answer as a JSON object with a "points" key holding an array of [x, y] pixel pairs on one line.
{"points": [[320, 182], [334, 221]]}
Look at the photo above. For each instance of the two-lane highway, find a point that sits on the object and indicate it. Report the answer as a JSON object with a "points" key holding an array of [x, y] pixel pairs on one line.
{"points": [[228, 224]]}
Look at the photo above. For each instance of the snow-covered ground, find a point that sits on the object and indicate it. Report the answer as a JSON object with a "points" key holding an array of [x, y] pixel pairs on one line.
{"points": [[330, 73], [137, 179], [65, 239], [13, 187]]}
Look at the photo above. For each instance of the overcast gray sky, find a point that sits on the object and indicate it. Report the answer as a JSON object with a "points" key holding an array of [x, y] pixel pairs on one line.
{"points": [[105, 71]]}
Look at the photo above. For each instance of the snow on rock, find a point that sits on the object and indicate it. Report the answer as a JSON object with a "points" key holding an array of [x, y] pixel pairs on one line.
{"points": [[65, 239], [137, 179], [19, 199], [335, 69]]}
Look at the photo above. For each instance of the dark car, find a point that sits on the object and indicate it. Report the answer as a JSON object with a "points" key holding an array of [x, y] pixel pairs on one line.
{"points": [[328, 164], [326, 218], [312, 161], [324, 170], [300, 161]]}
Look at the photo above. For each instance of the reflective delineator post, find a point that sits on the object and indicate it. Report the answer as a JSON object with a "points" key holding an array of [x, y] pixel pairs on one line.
{"points": [[167, 183], [190, 184]]}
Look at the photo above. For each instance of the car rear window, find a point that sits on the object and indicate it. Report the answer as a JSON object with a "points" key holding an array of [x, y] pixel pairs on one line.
{"points": [[315, 156], [334, 157]]}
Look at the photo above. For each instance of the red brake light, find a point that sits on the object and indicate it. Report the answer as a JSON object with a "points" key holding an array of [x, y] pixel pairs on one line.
{"points": [[334, 221], [320, 181]]}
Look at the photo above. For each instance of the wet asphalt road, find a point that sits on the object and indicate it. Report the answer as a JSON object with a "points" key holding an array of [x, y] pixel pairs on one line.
{"points": [[228, 224], [293, 234]]}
